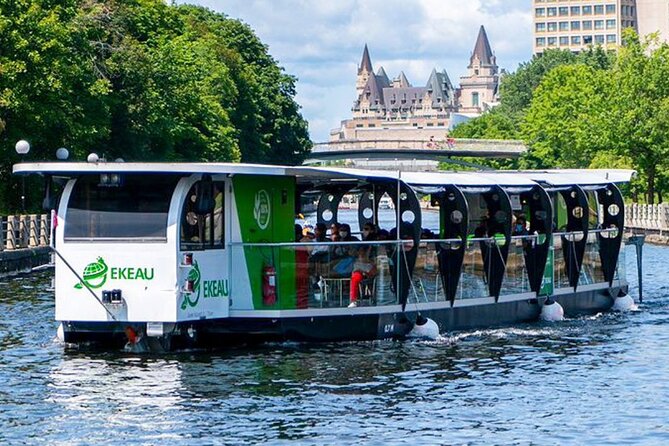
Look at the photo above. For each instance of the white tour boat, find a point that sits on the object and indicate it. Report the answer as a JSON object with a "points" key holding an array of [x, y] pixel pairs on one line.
{"points": [[181, 255]]}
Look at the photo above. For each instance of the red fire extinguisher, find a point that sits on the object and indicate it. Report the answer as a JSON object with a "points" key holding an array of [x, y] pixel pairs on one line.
{"points": [[268, 285]]}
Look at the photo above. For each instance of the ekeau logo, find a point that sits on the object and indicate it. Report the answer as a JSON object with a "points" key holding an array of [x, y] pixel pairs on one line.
{"points": [[96, 274], [206, 289], [191, 299], [261, 209]]}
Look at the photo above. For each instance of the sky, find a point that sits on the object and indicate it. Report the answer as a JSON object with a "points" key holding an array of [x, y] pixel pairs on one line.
{"points": [[320, 42]]}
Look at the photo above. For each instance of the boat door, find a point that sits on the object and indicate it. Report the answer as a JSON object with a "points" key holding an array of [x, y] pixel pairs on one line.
{"points": [[203, 270]]}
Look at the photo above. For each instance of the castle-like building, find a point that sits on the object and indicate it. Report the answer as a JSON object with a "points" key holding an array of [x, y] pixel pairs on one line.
{"points": [[394, 109]]}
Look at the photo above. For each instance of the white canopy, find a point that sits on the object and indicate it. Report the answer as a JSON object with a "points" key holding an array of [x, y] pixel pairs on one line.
{"points": [[583, 177], [465, 178]]}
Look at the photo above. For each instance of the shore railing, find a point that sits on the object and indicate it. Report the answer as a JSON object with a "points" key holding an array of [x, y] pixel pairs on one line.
{"points": [[653, 217], [24, 231]]}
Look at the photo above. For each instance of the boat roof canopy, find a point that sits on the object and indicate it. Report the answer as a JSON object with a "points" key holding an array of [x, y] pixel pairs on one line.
{"points": [[513, 178]]}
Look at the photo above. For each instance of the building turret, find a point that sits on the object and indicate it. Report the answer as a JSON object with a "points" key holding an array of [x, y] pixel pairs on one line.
{"points": [[365, 70], [401, 81], [382, 78], [482, 61], [479, 89]]}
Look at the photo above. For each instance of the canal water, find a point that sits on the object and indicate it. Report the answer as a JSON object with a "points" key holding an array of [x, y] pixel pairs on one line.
{"points": [[595, 380]]}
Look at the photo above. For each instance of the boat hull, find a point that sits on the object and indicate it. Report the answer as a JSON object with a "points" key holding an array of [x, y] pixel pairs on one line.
{"points": [[365, 323]]}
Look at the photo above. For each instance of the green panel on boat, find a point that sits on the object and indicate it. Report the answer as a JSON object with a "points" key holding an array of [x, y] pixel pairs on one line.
{"points": [[266, 207]]}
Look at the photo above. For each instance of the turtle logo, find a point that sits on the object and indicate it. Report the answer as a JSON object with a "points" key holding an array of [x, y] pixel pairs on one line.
{"points": [[95, 275], [261, 209], [191, 299]]}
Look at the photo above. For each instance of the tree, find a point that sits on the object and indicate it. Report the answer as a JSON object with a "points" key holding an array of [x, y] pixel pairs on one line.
{"points": [[517, 89], [564, 123], [142, 80], [493, 124], [639, 111], [49, 93]]}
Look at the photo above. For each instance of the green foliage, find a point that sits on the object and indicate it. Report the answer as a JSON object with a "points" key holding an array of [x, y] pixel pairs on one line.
{"points": [[142, 80], [563, 124], [639, 110], [516, 90], [596, 109], [494, 124]]}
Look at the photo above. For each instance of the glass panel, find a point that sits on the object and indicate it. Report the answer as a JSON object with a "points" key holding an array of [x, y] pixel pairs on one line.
{"points": [[426, 283], [197, 231], [515, 278], [473, 283], [591, 271], [560, 273], [321, 275], [135, 207], [621, 268]]}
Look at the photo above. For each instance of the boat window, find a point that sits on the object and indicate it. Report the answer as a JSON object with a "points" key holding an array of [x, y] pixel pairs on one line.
{"points": [[613, 209], [203, 231], [136, 207]]}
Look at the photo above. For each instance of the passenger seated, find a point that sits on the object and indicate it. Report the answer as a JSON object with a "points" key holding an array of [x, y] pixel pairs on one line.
{"points": [[345, 234], [299, 234], [319, 256], [520, 227], [369, 232], [334, 231], [481, 230], [363, 268], [319, 253], [343, 256], [427, 234]]}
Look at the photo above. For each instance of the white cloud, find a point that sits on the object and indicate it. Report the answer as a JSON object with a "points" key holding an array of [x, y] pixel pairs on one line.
{"points": [[321, 42]]}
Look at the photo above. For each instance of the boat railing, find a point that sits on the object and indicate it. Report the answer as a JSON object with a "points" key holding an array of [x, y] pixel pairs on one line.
{"points": [[319, 274]]}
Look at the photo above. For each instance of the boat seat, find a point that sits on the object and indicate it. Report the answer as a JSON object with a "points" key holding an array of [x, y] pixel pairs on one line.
{"points": [[367, 292], [334, 290]]}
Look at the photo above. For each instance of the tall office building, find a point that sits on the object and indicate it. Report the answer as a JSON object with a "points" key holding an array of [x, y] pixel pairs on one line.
{"points": [[653, 16], [577, 24]]}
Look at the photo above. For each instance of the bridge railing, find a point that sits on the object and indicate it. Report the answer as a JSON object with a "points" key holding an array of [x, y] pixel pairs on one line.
{"points": [[24, 231], [647, 216], [482, 145]]}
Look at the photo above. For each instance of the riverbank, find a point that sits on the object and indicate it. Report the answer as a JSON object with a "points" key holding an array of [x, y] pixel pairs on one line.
{"points": [[20, 261], [652, 237]]}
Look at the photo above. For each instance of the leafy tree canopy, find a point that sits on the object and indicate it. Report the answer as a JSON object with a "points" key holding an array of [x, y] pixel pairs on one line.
{"points": [[141, 80], [594, 109]]}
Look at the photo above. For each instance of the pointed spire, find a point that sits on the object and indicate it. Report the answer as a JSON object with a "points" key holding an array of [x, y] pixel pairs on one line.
{"points": [[382, 78], [366, 62], [372, 92], [403, 81], [447, 80], [432, 80], [437, 86], [482, 49]]}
